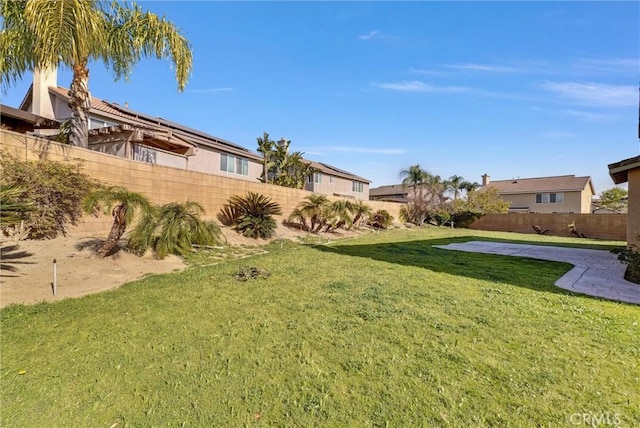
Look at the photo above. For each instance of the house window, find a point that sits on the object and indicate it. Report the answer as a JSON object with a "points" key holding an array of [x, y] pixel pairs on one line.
{"points": [[234, 164], [315, 178], [331, 179], [549, 198], [95, 123], [357, 186]]}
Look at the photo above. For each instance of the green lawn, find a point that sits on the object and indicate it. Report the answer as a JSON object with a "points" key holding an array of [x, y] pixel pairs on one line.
{"points": [[380, 330]]}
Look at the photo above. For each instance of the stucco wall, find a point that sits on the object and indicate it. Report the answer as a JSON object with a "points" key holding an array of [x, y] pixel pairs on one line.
{"points": [[633, 225], [575, 202], [208, 161], [613, 226], [160, 183]]}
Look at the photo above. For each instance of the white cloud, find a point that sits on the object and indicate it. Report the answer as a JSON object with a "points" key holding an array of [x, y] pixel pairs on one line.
{"points": [[590, 116], [370, 35], [209, 90], [418, 86], [595, 94], [483, 67]]}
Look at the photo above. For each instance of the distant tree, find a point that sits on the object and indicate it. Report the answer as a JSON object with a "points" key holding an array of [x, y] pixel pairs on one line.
{"points": [[266, 148], [614, 199], [38, 34], [281, 167], [454, 184], [413, 176], [485, 201]]}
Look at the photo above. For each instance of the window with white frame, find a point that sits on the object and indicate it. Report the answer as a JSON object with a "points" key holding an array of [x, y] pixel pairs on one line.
{"points": [[234, 164], [315, 178], [549, 198], [95, 123], [357, 186]]}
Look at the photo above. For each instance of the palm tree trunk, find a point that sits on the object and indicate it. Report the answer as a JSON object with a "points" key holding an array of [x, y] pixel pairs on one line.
{"points": [[80, 102], [117, 229]]}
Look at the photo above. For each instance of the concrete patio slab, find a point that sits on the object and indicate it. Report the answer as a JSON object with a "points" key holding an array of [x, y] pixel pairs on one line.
{"points": [[596, 273]]}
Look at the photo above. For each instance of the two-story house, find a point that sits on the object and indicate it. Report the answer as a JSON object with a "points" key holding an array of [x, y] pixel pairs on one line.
{"points": [[559, 194], [124, 132]]}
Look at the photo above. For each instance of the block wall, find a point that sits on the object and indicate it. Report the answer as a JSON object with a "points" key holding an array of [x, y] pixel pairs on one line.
{"points": [[598, 226], [160, 184]]}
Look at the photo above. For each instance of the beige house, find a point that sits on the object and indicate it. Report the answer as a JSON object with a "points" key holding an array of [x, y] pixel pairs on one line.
{"points": [[123, 132], [390, 193], [628, 171], [559, 194], [330, 180]]}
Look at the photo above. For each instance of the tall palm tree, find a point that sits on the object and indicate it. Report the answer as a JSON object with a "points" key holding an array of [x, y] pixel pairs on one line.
{"points": [[123, 205], [266, 147], [413, 176], [41, 34], [454, 183]]}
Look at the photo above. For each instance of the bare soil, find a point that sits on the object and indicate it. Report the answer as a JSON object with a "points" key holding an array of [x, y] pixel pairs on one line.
{"points": [[26, 267]]}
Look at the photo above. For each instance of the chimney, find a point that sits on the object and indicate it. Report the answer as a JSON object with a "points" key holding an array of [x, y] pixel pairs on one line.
{"points": [[485, 180], [41, 103]]}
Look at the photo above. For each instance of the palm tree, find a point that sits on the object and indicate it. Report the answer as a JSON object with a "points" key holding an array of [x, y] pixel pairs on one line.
{"points": [[454, 183], [340, 213], [123, 205], [361, 210], [40, 34], [413, 176], [176, 228], [266, 147], [469, 186], [313, 207]]}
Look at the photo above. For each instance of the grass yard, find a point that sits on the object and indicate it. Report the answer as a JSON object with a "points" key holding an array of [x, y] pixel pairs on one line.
{"points": [[380, 330]]}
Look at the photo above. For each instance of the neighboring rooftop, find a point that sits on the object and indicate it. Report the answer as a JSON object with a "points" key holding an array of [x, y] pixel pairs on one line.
{"points": [[560, 183]]}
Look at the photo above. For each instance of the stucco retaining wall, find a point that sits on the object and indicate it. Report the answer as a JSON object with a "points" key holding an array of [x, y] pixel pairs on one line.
{"points": [[598, 226], [160, 184]]}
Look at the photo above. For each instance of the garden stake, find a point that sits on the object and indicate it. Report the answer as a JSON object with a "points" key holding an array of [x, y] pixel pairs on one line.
{"points": [[55, 277]]}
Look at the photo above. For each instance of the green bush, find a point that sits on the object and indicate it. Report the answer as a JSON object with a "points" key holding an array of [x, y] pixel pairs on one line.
{"points": [[173, 228], [251, 215], [632, 259], [380, 219], [464, 218], [53, 190]]}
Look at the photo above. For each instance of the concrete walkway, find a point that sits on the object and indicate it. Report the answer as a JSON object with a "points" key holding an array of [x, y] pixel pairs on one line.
{"points": [[596, 272]]}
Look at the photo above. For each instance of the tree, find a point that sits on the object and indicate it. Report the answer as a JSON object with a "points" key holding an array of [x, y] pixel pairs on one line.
{"points": [[454, 184], [413, 176], [614, 199], [281, 167], [266, 147], [314, 208], [485, 201], [40, 34], [123, 205]]}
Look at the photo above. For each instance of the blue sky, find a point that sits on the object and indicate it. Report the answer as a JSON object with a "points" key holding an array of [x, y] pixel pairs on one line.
{"points": [[511, 89]]}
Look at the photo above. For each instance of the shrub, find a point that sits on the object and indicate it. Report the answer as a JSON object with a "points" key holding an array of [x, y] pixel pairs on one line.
{"points": [[251, 215], [465, 218], [172, 229], [632, 258], [54, 190], [380, 219]]}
